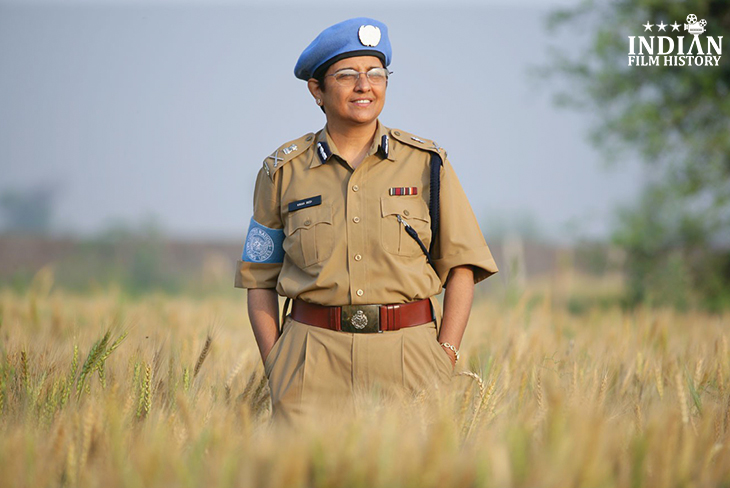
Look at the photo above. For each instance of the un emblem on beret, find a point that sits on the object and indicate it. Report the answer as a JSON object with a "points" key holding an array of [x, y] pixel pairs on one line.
{"points": [[369, 35], [259, 245]]}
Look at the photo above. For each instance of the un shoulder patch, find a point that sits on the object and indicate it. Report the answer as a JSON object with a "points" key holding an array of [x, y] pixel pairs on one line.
{"points": [[263, 245]]}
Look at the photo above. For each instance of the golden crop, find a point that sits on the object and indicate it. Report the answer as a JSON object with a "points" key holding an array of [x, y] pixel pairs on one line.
{"points": [[102, 390]]}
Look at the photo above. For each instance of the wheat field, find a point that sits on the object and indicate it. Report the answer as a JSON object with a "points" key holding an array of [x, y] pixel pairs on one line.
{"points": [[104, 390]]}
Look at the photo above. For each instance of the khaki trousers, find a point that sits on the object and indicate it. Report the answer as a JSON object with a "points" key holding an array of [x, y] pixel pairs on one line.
{"points": [[317, 373]]}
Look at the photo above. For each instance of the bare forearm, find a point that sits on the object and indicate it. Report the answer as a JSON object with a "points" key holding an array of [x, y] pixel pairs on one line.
{"points": [[263, 312], [458, 298]]}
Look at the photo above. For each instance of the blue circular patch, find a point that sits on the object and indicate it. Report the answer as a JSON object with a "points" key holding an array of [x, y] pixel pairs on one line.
{"points": [[259, 245]]}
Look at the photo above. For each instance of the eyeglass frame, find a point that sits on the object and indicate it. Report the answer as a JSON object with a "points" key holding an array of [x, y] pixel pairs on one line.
{"points": [[387, 75]]}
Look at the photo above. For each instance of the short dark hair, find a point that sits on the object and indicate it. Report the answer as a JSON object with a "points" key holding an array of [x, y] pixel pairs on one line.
{"points": [[319, 77]]}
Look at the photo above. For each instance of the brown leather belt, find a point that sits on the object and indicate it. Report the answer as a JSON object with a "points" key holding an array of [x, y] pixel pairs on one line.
{"points": [[363, 318]]}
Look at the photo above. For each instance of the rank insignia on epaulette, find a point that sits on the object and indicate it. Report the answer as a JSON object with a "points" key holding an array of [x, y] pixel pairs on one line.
{"points": [[403, 190], [438, 148], [384, 143], [290, 149], [323, 151], [276, 158]]}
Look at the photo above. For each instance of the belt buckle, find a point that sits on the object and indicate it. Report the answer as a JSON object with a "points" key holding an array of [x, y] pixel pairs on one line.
{"points": [[360, 319]]}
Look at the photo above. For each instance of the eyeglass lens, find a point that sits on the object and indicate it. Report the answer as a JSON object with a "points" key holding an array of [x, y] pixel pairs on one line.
{"points": [[376, 76]]}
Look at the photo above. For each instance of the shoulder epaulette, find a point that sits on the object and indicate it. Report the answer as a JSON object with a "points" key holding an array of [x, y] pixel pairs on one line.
{"points": [[418, 142], [286, 152]]}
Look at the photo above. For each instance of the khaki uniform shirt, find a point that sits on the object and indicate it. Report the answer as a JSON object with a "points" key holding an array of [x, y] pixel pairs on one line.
{"points": [[351, 248]]}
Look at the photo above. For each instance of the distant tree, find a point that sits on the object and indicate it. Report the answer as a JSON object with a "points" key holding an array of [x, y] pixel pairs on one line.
{"points": [[677, 120], [28, 211]]}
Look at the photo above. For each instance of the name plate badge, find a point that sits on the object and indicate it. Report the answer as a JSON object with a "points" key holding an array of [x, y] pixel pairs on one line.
{"points": [[304, 203]]}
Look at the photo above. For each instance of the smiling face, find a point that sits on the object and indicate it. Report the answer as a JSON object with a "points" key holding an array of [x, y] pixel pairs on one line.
{"points": [[356, 105]]}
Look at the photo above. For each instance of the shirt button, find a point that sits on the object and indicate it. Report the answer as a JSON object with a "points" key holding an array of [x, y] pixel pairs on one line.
{"points": [[358, 257], [356, 219], [355, 188], [307, 222], [406, 213], [360, 293]]}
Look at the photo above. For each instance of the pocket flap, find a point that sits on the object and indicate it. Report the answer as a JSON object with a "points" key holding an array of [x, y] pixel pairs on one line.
{"points": [[407, 207], [308, 217]]}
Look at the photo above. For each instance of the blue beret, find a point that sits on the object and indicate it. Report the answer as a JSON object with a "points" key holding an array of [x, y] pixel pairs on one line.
{"points": [[360, 36]]}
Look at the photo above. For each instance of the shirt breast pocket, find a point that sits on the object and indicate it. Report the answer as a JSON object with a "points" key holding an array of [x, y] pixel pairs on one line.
{"points": [[309, 235], [394, 237]]}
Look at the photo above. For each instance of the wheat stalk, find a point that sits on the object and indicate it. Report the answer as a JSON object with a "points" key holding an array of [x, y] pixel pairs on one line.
{"points": [[114, 346], [506, 376], [720, 380], [659, 380], [602, 389], [718, 427], [92, 361], [24, 375], [630, 373], [573, 383], [260, 398], [71, 464], [682, 395], [2, 396], [147, 389], [181, 402], [523, 387], [51, 403], [698, 372], [486, 399], [35, 392], [186, 379], [71, 376], [145, 393], [475, 377], [231, 375], [249, 388], [87, 426], [58, 441], [538, 392], [466, 430], [203, 355]]}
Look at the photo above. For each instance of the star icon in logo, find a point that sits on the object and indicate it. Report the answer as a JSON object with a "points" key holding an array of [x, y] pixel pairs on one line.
{"points": [[662, 26], [647, 26], [675, 26]]}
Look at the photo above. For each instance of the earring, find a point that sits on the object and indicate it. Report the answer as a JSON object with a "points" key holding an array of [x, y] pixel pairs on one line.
{"points": [[319, 101]]}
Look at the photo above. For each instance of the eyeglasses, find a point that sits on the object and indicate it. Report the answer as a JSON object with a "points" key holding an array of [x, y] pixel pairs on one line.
{"points": [[348, 77]]}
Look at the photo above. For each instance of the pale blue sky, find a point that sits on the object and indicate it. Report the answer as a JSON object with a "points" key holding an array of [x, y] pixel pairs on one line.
{"points": [[168, 108]]}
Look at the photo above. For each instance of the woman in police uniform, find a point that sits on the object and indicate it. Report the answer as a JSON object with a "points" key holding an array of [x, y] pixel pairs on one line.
{"points": [[344, 225]]}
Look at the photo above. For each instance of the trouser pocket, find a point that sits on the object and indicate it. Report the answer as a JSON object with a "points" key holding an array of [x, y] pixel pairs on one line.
{"points": [[284, 368], [424, 363]]}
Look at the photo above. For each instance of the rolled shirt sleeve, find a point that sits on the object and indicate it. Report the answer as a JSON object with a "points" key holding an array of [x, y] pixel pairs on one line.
{"points": [[460, 240], [262, 256]]}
